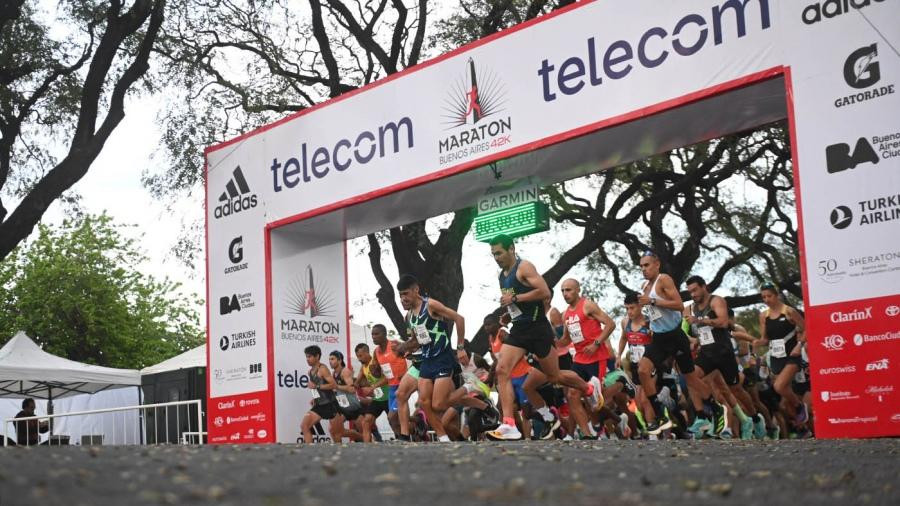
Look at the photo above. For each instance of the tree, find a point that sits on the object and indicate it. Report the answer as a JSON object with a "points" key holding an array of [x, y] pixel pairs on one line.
{"points": [[77, 290], [62, 72]]}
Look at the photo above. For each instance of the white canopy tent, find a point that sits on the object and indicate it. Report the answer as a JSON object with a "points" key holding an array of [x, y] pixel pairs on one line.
{"points": [[28, 371], [192, 358]]}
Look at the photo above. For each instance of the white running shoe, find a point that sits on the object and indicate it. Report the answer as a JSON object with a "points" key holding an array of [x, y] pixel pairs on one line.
{"points": [[504, 433], [596, 399]]}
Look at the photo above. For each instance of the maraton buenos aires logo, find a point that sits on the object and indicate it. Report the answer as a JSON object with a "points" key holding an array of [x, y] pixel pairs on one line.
{"points": [[310, 306], [306, 297], [237, 196], [472, 111]]}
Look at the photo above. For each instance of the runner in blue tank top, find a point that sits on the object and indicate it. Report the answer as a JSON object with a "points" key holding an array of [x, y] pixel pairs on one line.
{"points": [[663, 307], [427, 321], [523, 292]]}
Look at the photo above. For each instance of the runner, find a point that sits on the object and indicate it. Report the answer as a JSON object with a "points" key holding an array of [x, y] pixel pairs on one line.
{"points": [[781, 328], [588, 328], [709, 324], [394, 369], [348, 405], [636, 334], [373, 385], [742, 341], [496, 337], [322, 387], [662, 304], [523, 294], [427, 320]]}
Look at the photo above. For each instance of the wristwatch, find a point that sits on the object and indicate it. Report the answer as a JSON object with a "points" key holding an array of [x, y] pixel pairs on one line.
{"points": [[652, 301], [597, 342], [515, 297]]}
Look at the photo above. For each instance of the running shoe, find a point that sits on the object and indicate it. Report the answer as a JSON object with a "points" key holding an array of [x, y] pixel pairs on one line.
{"points": [[747, 429], [623, 426], [548, 427], [596, 398], [490, 417], [504, 433], [700, 428], [726, 434], [759, 426], [720, 417], [662, 423], [802, 414]]}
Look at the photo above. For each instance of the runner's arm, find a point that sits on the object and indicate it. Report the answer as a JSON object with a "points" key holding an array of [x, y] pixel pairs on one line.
{"points": [[592, 310], [720, 307], [540, 291], [622, 341], [444, 312], [330, 384], [671, 299], [347, 376]]}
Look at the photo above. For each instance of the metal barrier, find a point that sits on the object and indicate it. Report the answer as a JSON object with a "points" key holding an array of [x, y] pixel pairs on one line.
{"points": [[166, 429]]}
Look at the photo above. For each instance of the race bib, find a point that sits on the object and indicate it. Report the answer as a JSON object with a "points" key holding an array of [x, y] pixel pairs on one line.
{"points": [[575, 332], [343, 401], [315, 394], [637, 352], [514, 311], [422, 335], [706, 335], [378, 392], [776, 348], [652, 313], [387, 371]]}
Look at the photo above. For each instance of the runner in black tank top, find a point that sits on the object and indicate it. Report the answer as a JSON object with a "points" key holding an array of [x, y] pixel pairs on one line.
{"points": [[785, 340], [321, 389]]}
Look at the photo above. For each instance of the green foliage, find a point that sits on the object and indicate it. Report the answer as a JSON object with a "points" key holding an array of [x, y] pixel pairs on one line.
{"points": [[77, 291]]}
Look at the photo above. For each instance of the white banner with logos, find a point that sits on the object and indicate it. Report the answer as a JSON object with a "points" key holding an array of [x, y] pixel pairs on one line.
{"points": [[309, 307]]}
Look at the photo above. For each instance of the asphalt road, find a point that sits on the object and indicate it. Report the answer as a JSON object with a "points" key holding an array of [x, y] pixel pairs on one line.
{"points": [[591, 473]]}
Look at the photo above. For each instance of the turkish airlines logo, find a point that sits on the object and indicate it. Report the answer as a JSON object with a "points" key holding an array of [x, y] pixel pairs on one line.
{"points": [[834, 342], [878, 365], [841, 217]]}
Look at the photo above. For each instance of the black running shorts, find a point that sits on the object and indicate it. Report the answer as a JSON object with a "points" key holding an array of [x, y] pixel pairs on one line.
{"points": [[721, 360], [533, 337], [673, 343]]}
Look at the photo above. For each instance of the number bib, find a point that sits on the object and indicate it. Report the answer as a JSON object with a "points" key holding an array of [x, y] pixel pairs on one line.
{"points": [[378, 392], [652, 313], [706, 335], [387, 371], [637, 352], [777, 348], [514, 311], [575, 332], [422, 335], [314, 393], [343, 401]]}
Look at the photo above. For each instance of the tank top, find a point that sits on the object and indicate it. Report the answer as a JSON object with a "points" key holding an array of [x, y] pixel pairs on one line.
{"points": [[431, 333], [380, 393], [712, 339], [520, 311], [392, 366], [583, 331], [782, 334], [521, 368], [321, 396], [637, 340], [661, 319]]}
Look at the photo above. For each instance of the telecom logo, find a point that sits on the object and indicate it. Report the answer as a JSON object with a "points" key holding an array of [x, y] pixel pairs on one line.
{"points": [[878, 365], [892, 311], [237, 196], [828, 9], [861, 71], [235, 302], [236, 255], [834, 342], [841, 217], [472, 110]]}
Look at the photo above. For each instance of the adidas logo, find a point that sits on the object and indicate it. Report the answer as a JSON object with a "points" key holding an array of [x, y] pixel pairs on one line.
{"points": [[237, 196]]}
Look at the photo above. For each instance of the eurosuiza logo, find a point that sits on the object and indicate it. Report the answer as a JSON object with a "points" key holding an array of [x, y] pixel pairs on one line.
{"points": [[472, 113], [236, 197]]}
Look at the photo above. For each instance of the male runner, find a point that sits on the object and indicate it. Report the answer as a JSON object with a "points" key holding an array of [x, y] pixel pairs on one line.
{"points": [[373, 387], [393, 368], [523, 294], [427, 320], [497, 335], [662, 304], [588, 328]]}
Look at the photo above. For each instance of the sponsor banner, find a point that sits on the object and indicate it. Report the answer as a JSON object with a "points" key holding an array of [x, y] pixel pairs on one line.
{"points": [[569, 71], [241, 419], [854, 353], [309, 307]]}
